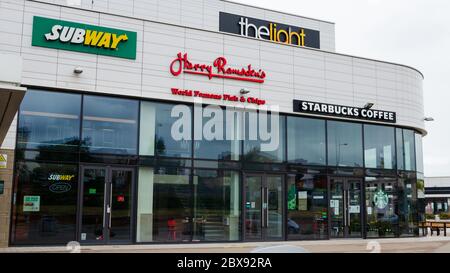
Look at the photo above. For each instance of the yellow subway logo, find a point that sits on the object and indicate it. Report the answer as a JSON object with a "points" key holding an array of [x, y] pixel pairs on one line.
{"points": [[65, 35]]}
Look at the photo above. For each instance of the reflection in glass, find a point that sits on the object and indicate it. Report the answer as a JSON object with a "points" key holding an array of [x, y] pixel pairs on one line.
{"points": [[345, 147], [121, 204], [307, 207], [379, 151], [223, 143], [216, 205], [92, 222], [381, 207], [46, 203], [156, 130], [253, 208], [409, 149], [49, 121], [258, 149], [164, 205], [110, 125], [274, 207], [407, 207], [306, 141], [419, 153], [400, 149]]}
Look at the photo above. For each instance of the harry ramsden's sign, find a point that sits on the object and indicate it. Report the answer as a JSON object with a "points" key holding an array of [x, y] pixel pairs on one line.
{"points": [[343, 111], [217, 69], [85, 38]]}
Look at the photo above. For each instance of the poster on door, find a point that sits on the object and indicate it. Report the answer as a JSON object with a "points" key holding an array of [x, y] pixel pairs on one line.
{"points": [[31, 203]]}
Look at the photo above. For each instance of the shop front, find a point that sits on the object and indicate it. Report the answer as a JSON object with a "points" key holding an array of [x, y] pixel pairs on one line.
{"points": [[142, 126], [110, 170]]}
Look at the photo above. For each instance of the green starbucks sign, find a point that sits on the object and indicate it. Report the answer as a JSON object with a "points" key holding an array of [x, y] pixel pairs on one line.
{"points": [[84, 38]]}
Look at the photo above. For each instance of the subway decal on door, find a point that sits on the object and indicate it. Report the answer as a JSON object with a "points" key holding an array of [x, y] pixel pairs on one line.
{"points": [[65, 35]]}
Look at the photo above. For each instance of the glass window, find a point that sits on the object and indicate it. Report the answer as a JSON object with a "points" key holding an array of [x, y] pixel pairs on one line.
{"points": [[49, 121], [382, 207], [216, 205], [164, 205], [220, 139], [46, 203], [409, 148], [379, 150], [345, 147], [157, 122], [407, 206], [264, 137], [400, 150], [419, 153], [306, 141], [307, 207], [110, 125]]}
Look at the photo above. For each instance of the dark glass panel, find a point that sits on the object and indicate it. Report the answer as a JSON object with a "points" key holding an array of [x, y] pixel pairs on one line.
{"points": [[256, 147], [409, 149], [345, 147], [217, 206], [379, 150], [49, 121], [400, 149], [46, 203], [382, 207], [157, 124], [164, 205], [307, 207], [220, 140], [306, 141], [110, 125]]}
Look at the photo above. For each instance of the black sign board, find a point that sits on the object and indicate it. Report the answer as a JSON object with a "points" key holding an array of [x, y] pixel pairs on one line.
{"points": [[2, 186], [266, 30], [344, 111]]}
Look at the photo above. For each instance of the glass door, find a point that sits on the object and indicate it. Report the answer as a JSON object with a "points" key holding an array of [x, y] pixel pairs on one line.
{"points": [[263, 207], [345, 208], [106, 205]]}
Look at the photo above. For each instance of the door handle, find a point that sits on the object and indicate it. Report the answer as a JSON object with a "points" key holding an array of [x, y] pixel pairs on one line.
{"points": [[267, 207], [263, 214], [109, 210]]}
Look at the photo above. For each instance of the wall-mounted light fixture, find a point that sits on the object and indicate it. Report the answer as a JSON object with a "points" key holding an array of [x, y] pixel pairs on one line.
{"points": [[78, 70], [244, 91], [368, 105]]}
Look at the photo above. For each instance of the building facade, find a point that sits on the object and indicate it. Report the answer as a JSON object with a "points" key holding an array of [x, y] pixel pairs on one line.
{"points": [[437, 196], [178, 121]]}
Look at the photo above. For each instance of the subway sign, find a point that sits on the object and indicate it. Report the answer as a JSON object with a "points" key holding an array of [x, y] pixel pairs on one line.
{"points": [[267, 30], [84, 38], [325, 109]]}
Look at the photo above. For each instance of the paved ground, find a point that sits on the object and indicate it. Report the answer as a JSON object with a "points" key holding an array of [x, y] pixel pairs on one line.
{"points": [[423, 244]]}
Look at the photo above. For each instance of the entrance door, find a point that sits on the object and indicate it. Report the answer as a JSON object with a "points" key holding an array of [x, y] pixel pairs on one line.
{"points": [[106, 205], [263, 207], [346, 207]]}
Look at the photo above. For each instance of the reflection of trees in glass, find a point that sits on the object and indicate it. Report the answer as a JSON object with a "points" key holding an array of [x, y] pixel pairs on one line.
{"points": [[256, 155], [160, 146]]}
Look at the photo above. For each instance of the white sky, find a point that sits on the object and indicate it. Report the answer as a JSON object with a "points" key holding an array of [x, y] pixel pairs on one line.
{"points": [[410, 32]]}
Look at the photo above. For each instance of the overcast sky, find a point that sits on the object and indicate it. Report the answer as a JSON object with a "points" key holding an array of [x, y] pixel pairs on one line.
{"points": [[411, 32]]}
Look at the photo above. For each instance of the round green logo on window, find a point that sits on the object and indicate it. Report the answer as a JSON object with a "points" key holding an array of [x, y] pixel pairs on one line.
{"points": [[381, 199]]}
